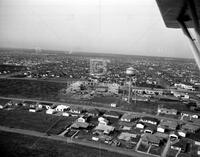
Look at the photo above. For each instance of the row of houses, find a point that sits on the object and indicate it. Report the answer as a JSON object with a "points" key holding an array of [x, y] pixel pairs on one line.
{"points": [[171, 129], [164, 94], [148, 91], [5, 103], [185, 115], [149, 125], [184, 86]]}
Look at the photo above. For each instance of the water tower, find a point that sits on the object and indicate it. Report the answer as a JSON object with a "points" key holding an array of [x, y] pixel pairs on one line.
{"points": [[130, 72]]}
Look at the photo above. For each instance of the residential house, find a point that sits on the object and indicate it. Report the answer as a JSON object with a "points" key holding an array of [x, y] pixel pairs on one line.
{"points": [[95, 138], [168, 124], [113, 105], [34, 106], [185, 115], [173, 135], [149, 91], [150, 128], [150, 139], [184, 96], [111, 114], [149, 120], [184, 86], [103, 121], [75, 110], [9, 103], [50, 111], [82, 119], [93, 112], [167, 111], [126, 125], [2, 106], [31, 104], [66, 114], [128, 117], [48, 105], [106, 129], [182, 132], [16, 102], [126, 136], [3, 103], [35, 109], [140, 125], [161, 128], [80, 125], [181, 145], [61, 108]]}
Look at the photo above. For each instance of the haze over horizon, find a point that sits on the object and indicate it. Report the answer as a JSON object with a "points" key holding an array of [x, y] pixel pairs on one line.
{"points": [[132, 27]]}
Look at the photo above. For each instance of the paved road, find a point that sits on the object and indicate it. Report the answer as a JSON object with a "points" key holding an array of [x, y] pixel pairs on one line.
{"points": [[103, 108], [69, 140]]}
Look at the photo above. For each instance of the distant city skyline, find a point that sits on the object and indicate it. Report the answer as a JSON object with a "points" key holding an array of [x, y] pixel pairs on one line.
{"points": [[133, 27]]}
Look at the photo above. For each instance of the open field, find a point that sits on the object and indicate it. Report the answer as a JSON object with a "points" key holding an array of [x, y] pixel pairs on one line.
{"points": [[7, 69], [34, 121], [139, 106], [21, 145], [30, 89]]}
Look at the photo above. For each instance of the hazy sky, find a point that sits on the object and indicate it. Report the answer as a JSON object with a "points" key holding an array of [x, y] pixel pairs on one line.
{"points": [[108, 26]]}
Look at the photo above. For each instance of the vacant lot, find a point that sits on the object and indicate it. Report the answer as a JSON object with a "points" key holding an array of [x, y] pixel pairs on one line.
{"points": [[30, 89], [143, 147], [156, 150], [104, 99], [16, 145], [171, 153], [139, 106], [34, 121]]}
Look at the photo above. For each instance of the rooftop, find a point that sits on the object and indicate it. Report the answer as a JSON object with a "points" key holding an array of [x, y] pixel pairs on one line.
{"points": [[150, 138]]}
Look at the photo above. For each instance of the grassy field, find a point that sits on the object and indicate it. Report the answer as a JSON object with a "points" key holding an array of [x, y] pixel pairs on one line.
{"points": [[156, 150], [34, 121], [171, 153], [30, 89], [139, 106], [143, 148], [16, 145]]}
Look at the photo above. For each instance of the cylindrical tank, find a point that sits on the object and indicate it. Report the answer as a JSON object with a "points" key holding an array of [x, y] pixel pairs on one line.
{"points": [[130, 71]]}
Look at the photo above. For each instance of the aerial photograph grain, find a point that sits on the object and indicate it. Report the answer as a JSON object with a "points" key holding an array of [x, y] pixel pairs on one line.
{"points": [[100, 78]]}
